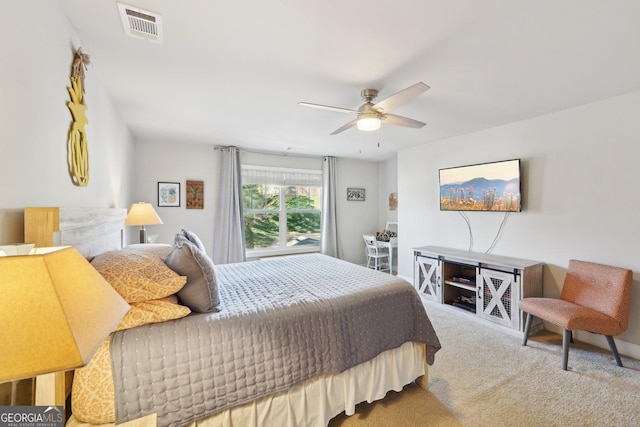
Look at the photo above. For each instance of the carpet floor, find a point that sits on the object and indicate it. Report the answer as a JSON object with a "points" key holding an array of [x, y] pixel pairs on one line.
{"points": [[485, 377]]}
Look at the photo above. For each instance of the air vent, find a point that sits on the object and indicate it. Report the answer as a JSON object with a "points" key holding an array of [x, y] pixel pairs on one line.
{"points": [[141, 24]]}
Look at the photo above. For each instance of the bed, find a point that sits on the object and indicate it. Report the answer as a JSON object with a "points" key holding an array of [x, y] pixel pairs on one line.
{"points": [[288, 341]]}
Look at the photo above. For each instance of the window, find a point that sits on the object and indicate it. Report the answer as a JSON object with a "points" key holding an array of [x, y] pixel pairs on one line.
{"points": [[282, 209]]}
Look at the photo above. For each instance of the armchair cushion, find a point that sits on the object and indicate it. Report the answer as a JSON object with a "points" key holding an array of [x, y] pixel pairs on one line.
{"points": [[571, 316]]}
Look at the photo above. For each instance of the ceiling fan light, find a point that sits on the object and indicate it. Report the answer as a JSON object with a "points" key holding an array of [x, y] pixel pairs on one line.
{"points": [[368, 122]]}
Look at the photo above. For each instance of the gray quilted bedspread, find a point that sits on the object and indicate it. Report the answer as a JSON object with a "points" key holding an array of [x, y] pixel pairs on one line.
{"points": [[281, 321]]}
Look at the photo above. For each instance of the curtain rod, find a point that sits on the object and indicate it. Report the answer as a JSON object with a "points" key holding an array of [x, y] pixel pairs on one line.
{"points": [[269, 153]]}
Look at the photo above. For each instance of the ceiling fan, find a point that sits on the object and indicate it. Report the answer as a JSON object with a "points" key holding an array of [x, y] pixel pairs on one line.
{"points": [[371, 115]]}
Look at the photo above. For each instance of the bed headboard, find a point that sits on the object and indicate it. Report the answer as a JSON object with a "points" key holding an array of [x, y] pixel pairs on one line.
{"points": [[90, 230]]}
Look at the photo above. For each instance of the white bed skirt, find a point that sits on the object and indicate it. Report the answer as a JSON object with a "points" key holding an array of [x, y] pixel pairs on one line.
{"points": [[314, 402]]}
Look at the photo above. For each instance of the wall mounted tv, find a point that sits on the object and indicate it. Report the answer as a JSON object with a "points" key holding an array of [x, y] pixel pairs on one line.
{"points": [[491, 187]]}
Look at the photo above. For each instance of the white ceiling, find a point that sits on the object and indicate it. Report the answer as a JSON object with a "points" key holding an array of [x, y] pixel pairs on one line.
{"points": [[233, 72]]}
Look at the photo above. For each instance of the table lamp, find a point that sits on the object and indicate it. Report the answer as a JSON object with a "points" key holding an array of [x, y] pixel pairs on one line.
{"points": [[55, 311], [142, 214]]}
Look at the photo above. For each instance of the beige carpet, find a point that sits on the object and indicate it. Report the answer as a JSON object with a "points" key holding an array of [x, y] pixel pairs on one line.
{"points": [[485, 377]]}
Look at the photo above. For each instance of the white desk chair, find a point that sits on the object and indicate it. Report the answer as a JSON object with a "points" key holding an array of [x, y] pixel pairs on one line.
{"points": [[377, 256]]}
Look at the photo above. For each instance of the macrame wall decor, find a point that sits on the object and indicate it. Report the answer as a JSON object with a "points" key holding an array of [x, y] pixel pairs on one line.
{"points": [[78, 149]]}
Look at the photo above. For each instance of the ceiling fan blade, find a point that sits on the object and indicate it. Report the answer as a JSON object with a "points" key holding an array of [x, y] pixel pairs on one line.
{"points": [[327, 107], [401, 97], [392, 119], [351, 124]]}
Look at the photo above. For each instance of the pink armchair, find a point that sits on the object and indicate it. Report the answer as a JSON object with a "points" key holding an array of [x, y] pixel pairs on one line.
{"points": [[594, 298]]}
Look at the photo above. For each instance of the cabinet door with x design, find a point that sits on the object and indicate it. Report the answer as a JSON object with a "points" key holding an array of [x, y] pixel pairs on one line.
{"points": [[427, 277], [498, 296]]}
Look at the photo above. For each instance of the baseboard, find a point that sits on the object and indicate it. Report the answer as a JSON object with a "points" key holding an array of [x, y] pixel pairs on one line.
{"points": [[408, 279], [625, 348]]}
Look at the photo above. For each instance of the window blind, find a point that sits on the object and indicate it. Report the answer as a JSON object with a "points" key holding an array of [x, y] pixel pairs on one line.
{"points": [[275, 176]]}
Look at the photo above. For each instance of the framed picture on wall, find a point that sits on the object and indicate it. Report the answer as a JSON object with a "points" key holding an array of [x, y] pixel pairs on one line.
{"points": [[355, 194], [194, 195], [393, 201], [168, 194]]}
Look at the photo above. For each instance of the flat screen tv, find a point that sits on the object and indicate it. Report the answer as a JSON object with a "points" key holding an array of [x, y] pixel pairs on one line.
{"points": [[491, 187]]}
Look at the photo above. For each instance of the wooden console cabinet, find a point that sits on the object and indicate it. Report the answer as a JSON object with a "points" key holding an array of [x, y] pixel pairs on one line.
{"points": [[486, 286]]}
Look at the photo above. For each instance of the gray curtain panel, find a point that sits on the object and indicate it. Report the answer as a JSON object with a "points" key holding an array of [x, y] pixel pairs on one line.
{"points": [[228, 228], [329, 227]]}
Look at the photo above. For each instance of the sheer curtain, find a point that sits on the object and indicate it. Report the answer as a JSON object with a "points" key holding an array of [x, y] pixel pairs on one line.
{"points": [[329, 227], [228, 228]]}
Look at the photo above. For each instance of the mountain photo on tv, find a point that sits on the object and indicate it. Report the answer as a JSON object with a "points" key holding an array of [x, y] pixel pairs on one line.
{"points": [[484, 187]]}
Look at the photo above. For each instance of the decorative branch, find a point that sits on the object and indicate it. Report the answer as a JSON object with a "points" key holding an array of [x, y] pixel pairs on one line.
{"points": [[80, 63]]}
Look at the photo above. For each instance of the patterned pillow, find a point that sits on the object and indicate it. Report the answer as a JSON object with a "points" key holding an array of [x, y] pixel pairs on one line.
{"points": [[138, 276], [200, 293], [93, 390], [92, 394], [153, 311], [159, 249]]}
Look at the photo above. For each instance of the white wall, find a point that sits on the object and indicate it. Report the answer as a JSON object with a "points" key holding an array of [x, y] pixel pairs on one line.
{"points": [[356, 218], [580, 178], [34, 121], [177, 162], [387, 184]]}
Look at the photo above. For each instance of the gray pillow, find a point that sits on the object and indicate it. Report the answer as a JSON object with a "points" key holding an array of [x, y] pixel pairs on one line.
{"points": [[200, 293], [191, 236]]}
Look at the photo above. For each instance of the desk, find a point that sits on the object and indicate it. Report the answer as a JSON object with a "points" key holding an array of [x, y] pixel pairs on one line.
{"points": [[393, 243]]}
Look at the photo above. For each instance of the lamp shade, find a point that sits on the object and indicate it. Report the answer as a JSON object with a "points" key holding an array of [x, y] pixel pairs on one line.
{"points": [[55, 310], [142, 214]]}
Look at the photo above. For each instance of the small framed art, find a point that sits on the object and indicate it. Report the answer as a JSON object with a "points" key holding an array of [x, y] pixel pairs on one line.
{"points": [[195, 195], [393, 201], [355, 194], [168, 194]]}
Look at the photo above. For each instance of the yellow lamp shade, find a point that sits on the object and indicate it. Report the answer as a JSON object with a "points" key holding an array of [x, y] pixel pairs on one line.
{"points": [[55, 310], [142, 214]]}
